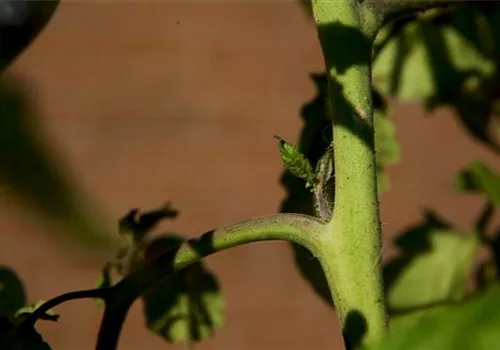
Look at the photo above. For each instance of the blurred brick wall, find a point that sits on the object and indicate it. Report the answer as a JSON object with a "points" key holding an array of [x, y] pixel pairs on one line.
{"points": [[154, 101]]}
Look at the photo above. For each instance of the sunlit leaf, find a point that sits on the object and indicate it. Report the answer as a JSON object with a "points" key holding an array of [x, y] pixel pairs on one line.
{"points": [[446, 59], [427, 59], [433, 267], [468, 325], [296, 163]]}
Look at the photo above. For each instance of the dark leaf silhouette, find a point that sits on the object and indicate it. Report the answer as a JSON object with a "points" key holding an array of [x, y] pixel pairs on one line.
{"points": [[12, 293], [20, 338], [29, 170]]}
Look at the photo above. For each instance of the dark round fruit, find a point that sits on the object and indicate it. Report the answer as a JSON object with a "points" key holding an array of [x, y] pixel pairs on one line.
{"points": [[13, 13]]}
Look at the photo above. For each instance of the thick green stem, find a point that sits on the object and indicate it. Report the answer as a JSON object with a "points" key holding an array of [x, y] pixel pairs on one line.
{"points": [[353, 266], [304, 230]]}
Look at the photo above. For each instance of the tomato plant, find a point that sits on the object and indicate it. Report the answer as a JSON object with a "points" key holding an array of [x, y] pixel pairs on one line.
{"points": [[442, 53]]}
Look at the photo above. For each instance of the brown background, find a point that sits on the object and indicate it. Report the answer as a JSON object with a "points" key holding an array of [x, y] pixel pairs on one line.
{"points": [[149, 101]]}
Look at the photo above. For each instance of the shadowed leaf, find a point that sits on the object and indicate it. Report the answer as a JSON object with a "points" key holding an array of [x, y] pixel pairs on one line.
{"points": [[12, 293], [447, 58], [140, 225], [478, 177], [187, 306], [313, 143], [20, 338], [182, 308]]}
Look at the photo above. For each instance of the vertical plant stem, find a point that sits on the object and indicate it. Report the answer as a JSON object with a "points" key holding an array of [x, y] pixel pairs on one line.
{"points": [[352, 263]]}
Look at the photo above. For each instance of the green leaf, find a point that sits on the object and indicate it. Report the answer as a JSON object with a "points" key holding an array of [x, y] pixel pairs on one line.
{"points": [[12, 293], [447, 58], [105, 281], [433, 267], [314, 140], [313, 143], [478, 177], [426, 59], [186, 306], [27, 310], [296, 163], [472, 324], [20, 338]]}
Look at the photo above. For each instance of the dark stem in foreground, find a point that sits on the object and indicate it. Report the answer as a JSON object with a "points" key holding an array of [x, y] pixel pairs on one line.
{"points": [[96, 293]]}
